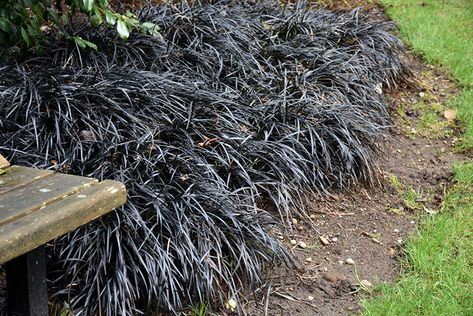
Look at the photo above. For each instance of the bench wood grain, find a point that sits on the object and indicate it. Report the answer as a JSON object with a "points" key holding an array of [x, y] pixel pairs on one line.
{"points": [[37, 206], [56, 219]]}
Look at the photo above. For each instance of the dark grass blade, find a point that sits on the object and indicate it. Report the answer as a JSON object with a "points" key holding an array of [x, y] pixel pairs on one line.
{"points": [[238, 104]]}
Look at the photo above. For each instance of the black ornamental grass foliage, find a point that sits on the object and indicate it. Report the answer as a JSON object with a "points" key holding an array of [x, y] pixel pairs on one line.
{"points": [[235, 105]]}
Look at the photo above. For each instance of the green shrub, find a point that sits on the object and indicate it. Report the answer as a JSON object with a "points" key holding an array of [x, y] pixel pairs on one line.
{"points": [[23, 23]]}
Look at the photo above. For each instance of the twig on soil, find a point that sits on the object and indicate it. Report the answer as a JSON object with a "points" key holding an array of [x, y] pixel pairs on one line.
{"points": [[302, 278], [294, 299], [286, 296], [334, 213], [266, 300], [366, 193]]}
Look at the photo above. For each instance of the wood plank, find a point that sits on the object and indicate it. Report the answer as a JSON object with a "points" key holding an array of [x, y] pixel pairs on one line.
{"points": [[27, 199], [3, 162], [16, 176], [56, 219]]}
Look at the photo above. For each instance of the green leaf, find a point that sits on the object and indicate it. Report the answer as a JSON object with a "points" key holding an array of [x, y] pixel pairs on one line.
{"points": [[98, 15], [33, 30], [39, 10], [110, 18], [52, 14], [88, 5], [25, 36], [5, 24], [151, 28], [90, 44], [84, 43], [79, 41], [122, 29]]}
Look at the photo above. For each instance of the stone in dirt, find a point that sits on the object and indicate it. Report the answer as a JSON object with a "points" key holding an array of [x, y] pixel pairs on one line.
{"points": [[302, 244], [324, 240], [350, 261], [332, 277]]}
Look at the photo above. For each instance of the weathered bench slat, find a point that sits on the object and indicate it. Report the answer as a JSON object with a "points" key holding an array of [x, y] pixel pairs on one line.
{"points": [[39, 227], [16, 176], [27, 199]]}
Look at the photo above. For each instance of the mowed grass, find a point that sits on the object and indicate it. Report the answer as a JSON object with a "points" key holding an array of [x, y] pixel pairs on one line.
{"points": [[442, 32], [438, 267], [437, 276]]}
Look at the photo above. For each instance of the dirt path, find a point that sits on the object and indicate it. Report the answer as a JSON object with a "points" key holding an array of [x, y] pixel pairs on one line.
{"points": [[359, 234]]}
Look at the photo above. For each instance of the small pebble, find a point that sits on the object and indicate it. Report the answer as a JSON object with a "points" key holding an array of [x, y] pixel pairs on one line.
{"points": [[399, 241], [334, 239], [340, 262], [294, 221], [302, 244], [324, 240], [309, 259], [293, 242], [312, 216], [310, 298], [376, 241], [391, 252], [396, 230], [350, 261], [332, 277], [412, 222]]}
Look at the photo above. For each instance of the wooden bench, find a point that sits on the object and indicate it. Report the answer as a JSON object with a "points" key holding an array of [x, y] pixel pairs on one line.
{"points": [[37, 206]]}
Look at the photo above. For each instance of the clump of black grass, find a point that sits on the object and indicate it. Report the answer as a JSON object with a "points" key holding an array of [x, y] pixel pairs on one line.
{"points": [[236, 104]]}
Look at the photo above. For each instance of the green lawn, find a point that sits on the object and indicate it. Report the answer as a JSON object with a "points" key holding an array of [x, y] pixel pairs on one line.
{"points": [[442, 32], [438, 268]]}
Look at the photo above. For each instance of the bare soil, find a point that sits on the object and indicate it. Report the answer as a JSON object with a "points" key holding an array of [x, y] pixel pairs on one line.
{"points": [[368, 225]]}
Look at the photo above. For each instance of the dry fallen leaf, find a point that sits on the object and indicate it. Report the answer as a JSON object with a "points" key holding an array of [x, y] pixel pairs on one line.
{"points": [[231, 304], [450, 115], [366, 283]]}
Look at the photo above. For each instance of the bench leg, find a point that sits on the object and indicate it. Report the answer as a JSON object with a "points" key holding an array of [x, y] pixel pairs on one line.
{"points": [[26, 284]]}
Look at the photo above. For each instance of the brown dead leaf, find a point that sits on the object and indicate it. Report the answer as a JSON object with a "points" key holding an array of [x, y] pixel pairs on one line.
{"points": [[208, 141], [450, 115]]}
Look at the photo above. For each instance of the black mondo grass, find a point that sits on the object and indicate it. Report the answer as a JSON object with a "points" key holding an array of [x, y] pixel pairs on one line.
{"points": [[236, 104]]}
